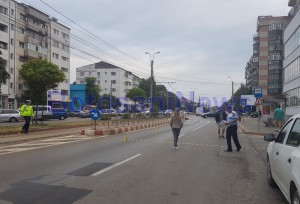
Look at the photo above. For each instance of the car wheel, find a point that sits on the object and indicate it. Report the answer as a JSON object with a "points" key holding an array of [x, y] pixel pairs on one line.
{"points": [[296, 199], [61, 117], [13, 120], [44, 118], [270, 179]]}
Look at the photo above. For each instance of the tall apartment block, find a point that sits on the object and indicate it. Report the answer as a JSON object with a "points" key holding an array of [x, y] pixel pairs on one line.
{"points": [[265, 67], [111, 79], [291, 63], [27, 33]]}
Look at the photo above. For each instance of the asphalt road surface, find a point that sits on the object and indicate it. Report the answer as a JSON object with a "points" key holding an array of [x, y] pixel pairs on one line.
{"points": [[137, 168]]}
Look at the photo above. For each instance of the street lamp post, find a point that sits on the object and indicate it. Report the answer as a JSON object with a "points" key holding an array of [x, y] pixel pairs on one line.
{"points": [[231, 87], [151, 77]]}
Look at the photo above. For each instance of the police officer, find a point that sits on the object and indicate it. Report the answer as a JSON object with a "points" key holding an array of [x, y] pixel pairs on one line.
{"points": [[26, 112], [231, 131]]}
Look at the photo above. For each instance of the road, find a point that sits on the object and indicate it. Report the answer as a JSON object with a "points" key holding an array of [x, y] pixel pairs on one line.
{"points": [[138, 167]]}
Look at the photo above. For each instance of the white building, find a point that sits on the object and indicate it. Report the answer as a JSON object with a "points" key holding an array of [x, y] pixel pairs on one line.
{"points": [[291, 63], [111, 79]]}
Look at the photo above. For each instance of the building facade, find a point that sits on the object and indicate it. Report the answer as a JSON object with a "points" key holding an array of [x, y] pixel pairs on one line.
{"points": [[291, 63], [111, 79], [265, 67], [27, 33]]}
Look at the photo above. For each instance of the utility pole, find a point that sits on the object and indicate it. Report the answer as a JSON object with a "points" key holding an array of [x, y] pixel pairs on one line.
{"points": [[151, 77], [110, 101]]}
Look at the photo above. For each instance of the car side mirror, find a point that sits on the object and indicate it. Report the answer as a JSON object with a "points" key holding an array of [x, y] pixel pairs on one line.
{"points": [[269, 137]]}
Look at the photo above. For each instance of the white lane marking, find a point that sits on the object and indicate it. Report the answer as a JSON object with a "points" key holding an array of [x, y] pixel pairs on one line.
{"points": [[200, 127], [115, 165], [182, 135]]}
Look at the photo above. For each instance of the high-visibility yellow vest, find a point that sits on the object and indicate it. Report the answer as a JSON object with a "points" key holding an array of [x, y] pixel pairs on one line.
{"points": [[26, 110]]}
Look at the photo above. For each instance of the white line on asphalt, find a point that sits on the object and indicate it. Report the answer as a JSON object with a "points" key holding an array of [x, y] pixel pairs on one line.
{"points": [[114, 165], [182, 135], [200, 126]]}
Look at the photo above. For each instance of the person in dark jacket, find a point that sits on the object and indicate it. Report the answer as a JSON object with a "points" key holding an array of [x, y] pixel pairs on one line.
{"points": [[220, 116]]}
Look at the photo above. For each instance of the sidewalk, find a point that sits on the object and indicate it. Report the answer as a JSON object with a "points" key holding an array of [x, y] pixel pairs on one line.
{"points": [[250, 126], [84, 131]]}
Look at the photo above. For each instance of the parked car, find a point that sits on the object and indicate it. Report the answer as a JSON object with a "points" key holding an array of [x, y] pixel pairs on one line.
{"points": [[9, 115], [84, 114], [168, 112], [208, 114], [42, 112], [254, 114], [283, 159], [59, 113]]}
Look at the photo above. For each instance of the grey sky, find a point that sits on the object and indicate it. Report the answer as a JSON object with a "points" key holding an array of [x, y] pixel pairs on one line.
{"points": [[201, 42]]}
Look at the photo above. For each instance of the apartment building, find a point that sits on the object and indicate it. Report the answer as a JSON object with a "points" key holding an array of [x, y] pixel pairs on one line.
{"points": [[27, 33], [291, 63], [265, 67], [111, 79]]}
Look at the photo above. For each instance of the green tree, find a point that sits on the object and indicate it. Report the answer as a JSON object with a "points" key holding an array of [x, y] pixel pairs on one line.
{"points": [[145, 85], [242, 90], [136, 92], [38, 76], [105, 103], [92, 88], [4, 75]]}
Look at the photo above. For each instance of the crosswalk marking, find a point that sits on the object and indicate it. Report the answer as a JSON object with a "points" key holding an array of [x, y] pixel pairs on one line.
{"points": [[8, 149]]}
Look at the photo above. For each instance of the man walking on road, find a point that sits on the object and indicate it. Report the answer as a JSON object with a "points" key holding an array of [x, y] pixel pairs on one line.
{"points": [[220, 116], [231, 131], [26, 111]]}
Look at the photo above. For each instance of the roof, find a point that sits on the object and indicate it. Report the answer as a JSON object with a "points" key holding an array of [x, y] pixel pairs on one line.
{"points": [[105, 65]]}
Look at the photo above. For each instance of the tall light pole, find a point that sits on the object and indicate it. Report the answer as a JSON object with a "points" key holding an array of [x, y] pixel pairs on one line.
{"points": [[151, 77], [231, 87]]}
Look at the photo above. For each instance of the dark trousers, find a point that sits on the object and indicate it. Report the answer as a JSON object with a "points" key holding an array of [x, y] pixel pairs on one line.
{"points": [[26, 124], [176, 132], [232, 132]]}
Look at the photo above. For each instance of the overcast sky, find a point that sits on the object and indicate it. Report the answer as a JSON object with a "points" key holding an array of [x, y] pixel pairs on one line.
{"points": [[201, 42]]}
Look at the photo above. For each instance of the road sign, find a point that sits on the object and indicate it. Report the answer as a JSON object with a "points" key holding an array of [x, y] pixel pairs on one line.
{"points": [[243, 102], [258, 92], [259, 101], [94, 114]]}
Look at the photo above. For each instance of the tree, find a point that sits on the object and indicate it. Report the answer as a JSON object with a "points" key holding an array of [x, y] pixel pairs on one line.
{"points": [[136, 92], [92, 88], [39, 75], [4, 75], [243, 90]]}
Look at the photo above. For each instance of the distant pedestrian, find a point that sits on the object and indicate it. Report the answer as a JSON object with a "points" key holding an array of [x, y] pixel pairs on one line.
{"points": [[278, 117], [26, 111], [231, 131], [176, 124], [219, 117]]}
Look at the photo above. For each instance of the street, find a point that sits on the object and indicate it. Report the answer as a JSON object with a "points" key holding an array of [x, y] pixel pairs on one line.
{"points": [[137, 167]]}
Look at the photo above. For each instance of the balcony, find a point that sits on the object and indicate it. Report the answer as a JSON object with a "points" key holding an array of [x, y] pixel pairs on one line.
{"points": [[36, 28], [30, 11], [34, 54]]}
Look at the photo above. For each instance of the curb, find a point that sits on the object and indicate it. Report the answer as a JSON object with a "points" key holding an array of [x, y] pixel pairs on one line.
{"points": [[113, 131], [246, 131]]}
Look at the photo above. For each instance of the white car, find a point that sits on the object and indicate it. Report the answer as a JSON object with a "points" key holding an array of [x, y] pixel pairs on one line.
{"points": [[283, 159]]}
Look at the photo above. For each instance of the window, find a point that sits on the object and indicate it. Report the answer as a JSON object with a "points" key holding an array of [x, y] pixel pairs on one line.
{"points": [[12, 26], [113, 73], [98, 73], [11, 56], [283, 132], [64, 69], [55, 43], [3, 45], [65, 47], [21, 58], [65, 58], [81, 74], [98, 81], [22, 30], [113, 90], [113, 82], [294, 136], [55, 56], [23, 17], [90, 73], [21, 86], [12, 12], [35, 22], [22, 45], [11, 85], [3, 28], [55, 31], [11, 70], [3, 10], [65, 36]]}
